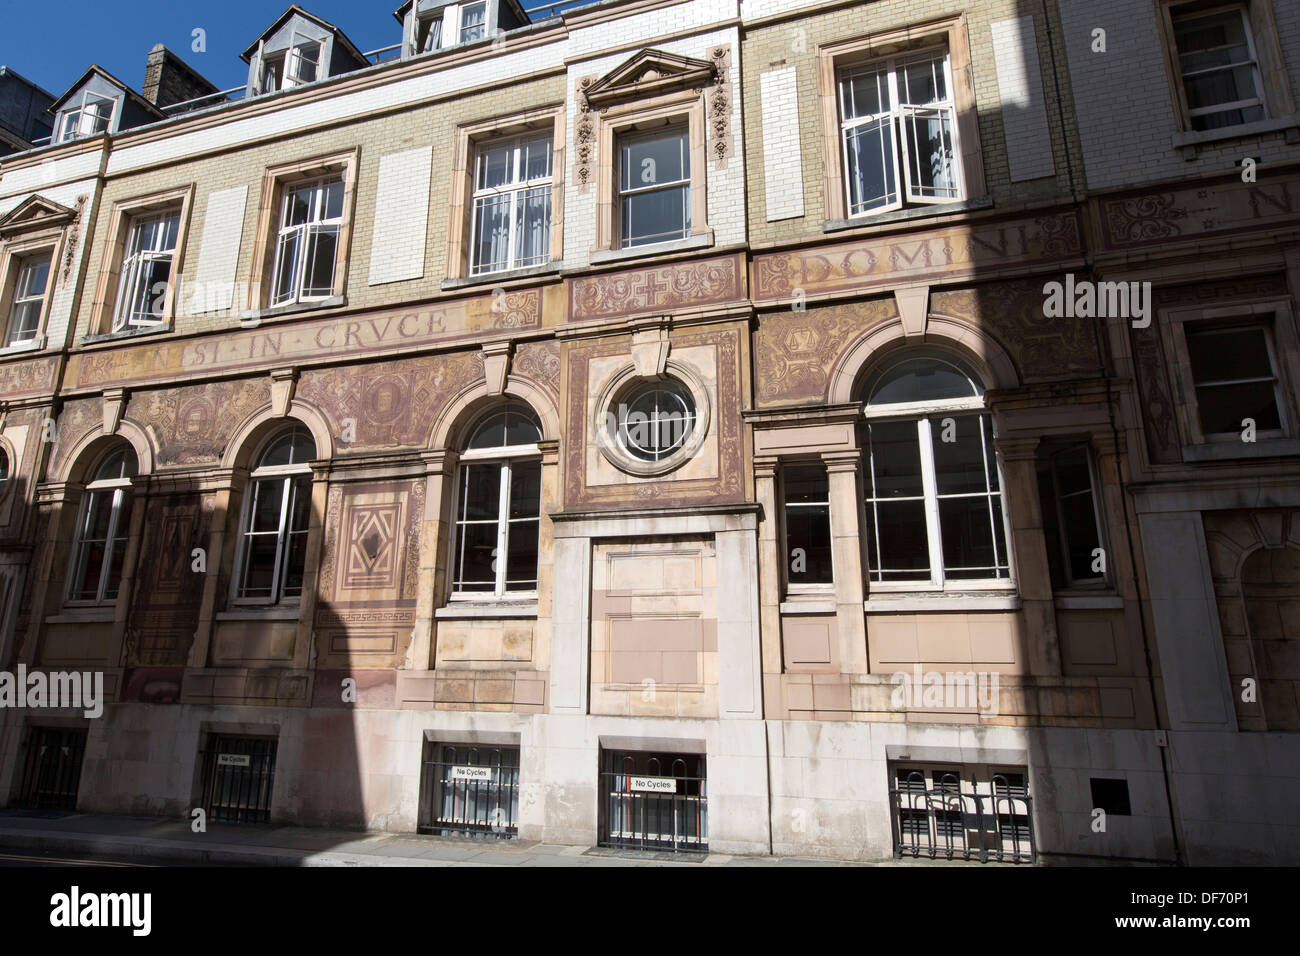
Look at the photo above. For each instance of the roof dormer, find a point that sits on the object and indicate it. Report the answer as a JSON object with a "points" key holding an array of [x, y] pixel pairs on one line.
{"points": [[99, 103], [299, 48], [432, 25]]}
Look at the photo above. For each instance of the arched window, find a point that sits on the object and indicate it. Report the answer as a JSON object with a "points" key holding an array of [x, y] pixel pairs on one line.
{"points": [[103, 524], [277, 511], [498, 505], [934, 498]]}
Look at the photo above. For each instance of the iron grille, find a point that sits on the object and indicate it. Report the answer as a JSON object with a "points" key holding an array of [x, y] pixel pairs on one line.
{"points": [[470, 791], [238, 778], [52, 768], [654, 801], [942, 818]]}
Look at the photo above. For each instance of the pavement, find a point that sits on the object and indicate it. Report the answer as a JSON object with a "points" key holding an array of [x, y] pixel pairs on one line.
{"points": [[171, 841]]}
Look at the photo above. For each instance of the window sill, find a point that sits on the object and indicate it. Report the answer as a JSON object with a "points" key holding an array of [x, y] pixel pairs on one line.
{"points": [[21, 348], [252, 317], [1231, 450], [653, 249], [84, 615], [496, 278], [159, 329], [1089, 602], [912, 212], [796, 606], [957, 601], [1187, 141], [271, 612], [468, 609]]}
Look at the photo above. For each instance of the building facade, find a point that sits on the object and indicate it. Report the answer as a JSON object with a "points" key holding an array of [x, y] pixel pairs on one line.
{"points": [[762, 427]]}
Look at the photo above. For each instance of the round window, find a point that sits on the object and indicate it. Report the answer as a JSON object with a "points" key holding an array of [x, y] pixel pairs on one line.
{"points": [[654, 420]]}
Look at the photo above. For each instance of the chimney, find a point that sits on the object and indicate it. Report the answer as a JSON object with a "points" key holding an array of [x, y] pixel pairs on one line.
{"points": [[168, 79]]}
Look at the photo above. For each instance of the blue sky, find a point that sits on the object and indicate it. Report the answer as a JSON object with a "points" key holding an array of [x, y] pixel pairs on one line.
{"points": [[52, 42]]}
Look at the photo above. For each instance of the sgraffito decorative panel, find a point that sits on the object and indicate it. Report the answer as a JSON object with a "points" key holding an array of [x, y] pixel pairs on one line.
{"points": [[794, 352], [1200, 211], [677, 285], [369, 573], [192, 424], [390, 403]]}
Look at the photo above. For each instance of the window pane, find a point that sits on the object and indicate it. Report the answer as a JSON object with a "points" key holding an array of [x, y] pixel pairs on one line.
{"points": [[921, 380], [480, 493], [864, 93], [1080, 528], [267, 497], [491, 233], [1209, 41], [295, 561], [930, 143], [99, 512], [1221, 356], [331, 205], [1232, 117], [525, 489], [533, 236], [300, 504], [870, 157], [90, 565], [321, 249], [895, 460], [1222, 86], [958, 464], [285, 265], [654, 160], [298, 206], [807, 524], [495, 167], [657, 216], [1221, 408], [923, 82], [521, 565], [478, 542], [967, 536], [259, 566], [904, 550], [537, 158]]}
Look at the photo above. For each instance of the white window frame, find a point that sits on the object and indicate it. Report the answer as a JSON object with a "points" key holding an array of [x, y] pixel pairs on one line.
{"points": [[920, 414], [119, 488], [314, 224], [1256, 77], [1225, 327], [79, 122], [294, 59], [23, 297], [286, 475], [135, 263], [481, 26], [805, 587], [1094, 490], [896, 116], [681, 130], [506, 456], [510, 193]]}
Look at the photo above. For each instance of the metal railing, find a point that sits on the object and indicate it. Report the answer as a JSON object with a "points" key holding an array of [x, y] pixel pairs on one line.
{"points": [[642, 819], [52, 769], [469, 791], [238, 779], [948, 822]]}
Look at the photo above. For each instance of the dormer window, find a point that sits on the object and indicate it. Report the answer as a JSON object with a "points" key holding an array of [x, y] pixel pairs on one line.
{"points": [[292, 67], [473, 21], [91, 116]]}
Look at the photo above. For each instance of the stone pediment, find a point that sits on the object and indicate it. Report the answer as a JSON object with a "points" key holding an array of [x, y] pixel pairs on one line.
{"points": [[650, 73], [35, 212]]}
